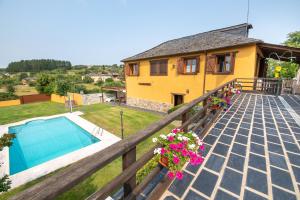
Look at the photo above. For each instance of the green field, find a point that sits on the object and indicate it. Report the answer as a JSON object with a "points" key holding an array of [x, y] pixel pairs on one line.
{"points": [[105, 116]]}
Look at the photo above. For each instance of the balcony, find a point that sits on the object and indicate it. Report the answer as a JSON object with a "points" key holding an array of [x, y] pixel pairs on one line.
{"points": [[252, 151]]}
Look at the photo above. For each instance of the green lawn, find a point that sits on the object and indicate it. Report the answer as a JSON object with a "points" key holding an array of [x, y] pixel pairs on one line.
{"points": [[107, 117]]}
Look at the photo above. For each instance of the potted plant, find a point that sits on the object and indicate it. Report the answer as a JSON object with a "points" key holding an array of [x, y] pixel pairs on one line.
{"points": [[229, 92], [178, 148], [217, 103]]}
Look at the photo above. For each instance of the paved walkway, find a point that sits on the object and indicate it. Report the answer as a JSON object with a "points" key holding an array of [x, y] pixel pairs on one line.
{"points": [[293, 101], [253, 152]]}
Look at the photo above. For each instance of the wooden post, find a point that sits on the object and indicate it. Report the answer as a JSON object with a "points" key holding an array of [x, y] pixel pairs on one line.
{"points": [[183, 119], [278, 87], [128, 159], [122, 126]]}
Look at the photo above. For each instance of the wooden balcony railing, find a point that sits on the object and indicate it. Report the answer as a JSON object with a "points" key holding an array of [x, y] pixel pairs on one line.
{"points": [[194, 116], [272, 86]]}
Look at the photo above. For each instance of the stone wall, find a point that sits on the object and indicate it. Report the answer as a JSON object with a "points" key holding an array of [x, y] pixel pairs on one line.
{"points": [[147, 104], [91, 98]]}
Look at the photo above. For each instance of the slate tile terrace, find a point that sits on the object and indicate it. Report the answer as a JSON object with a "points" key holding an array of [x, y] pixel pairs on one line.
{"points": [[253, 153]]}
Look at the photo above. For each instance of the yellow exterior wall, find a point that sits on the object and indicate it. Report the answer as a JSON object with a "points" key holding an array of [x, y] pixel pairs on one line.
{"points": [[245, 64], [162, 87], [191, 86], [10, 103]]}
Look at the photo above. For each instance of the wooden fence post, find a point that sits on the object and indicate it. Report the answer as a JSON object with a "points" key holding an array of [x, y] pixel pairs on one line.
{"points": [[128, 159], [183, 119]]}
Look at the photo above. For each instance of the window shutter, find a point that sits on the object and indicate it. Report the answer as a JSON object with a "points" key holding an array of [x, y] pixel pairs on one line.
{"points": [[180, 65], [211, 64], [232, 55], [127, 69], [197, 64], [164, 67], [138, 69]]}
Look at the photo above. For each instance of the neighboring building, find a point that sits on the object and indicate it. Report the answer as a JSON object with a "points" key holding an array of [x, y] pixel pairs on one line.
{"points": [[96, 77], [180, 70]]}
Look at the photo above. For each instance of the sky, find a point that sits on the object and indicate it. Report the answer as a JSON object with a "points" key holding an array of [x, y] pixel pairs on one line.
{"points": [[106, 31]]}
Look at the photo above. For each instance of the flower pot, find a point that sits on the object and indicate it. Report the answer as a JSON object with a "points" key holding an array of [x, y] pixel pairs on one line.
{"points": [[215, 107], [164, 161]]}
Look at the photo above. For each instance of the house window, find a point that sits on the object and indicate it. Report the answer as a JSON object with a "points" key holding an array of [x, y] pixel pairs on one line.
{"points": [[190, 65], [159, 67], [133, 69], [224, 63]]}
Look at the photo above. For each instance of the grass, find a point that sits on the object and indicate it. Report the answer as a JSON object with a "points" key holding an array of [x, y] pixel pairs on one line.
{"points": [[24, 90], [107, 117], [90, 86], [21, 90]]}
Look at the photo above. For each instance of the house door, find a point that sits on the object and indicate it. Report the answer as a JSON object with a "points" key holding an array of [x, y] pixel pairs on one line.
{"points": [[178, 99]]}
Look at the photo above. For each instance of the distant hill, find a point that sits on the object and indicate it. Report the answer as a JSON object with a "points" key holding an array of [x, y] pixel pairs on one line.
{"points": [[38, 65]]}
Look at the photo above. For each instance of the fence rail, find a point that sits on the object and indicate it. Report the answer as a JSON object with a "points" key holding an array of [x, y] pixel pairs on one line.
{"points": [[195, 115], [272, 86]]}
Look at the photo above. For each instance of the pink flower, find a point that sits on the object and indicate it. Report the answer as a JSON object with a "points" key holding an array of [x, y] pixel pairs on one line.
{"points": [[171, 138], [173, 146], [171, 175], [184, 152], [176, 160], [163, 151], [180, 145], [179, 175], [176, 130], [238, 92], [202, 147]]}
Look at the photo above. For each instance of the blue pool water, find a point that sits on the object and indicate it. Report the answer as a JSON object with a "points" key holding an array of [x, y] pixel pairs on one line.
{"points": [[39, 141]]}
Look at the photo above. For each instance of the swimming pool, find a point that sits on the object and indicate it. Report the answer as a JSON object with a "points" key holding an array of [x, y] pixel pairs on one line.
{"points": [[41, 140]]}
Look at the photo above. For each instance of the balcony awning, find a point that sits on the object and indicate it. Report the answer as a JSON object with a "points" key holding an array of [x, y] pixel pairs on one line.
{"points": [[283, 52]]}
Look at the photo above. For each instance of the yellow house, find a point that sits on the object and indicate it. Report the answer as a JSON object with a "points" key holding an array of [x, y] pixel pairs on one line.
{"points": [[180, 70]]}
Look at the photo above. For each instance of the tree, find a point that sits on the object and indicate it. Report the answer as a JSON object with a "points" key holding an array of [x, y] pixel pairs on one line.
{"points": [[45, 84], [38, 65], [5, 141], [63, 87], [22, 76], [288, 69], [293, 39]]}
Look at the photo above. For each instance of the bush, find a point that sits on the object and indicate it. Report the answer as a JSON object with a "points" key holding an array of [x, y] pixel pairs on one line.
{"points": [[10, 88], [99, 83], [109, 80], [88, 79], [144, 171], [92, 91], [79, 88], [175, 108], [114, 84], [7, 96]]}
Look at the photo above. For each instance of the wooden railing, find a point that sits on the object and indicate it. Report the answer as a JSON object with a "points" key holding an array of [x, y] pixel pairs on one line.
{"points": [[270, 86], [195, 116]]}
